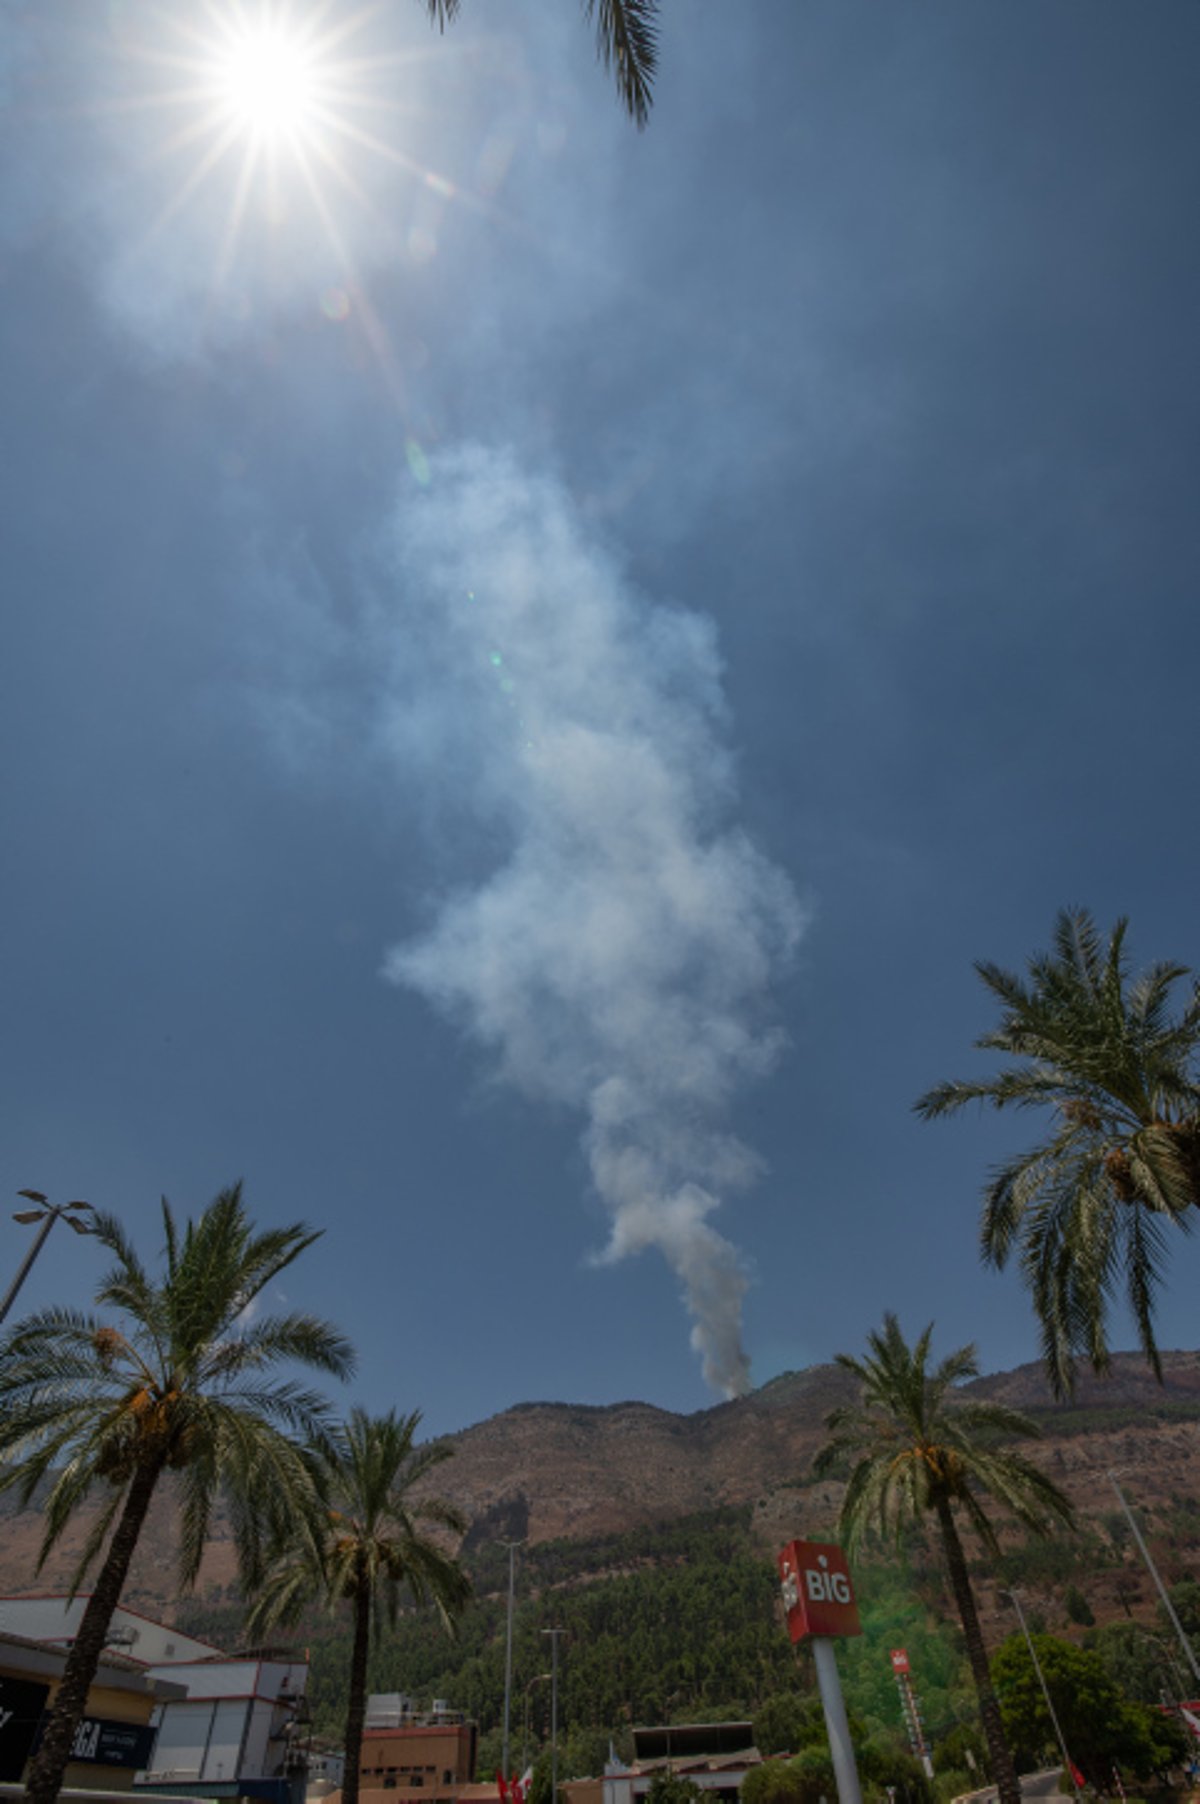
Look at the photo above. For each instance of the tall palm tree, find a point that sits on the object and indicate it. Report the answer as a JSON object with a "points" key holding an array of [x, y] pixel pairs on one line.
{"points": [[1087, 1206], [917, 1448], [626, 43], [181, 1381], [367, 1546]]}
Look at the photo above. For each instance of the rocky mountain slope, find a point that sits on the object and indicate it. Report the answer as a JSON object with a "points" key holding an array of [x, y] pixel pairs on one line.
{"points": [[556, 1470]]}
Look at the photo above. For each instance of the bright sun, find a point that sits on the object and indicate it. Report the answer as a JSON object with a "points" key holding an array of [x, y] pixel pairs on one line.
{"points": [[270, 83], [265, 117]]}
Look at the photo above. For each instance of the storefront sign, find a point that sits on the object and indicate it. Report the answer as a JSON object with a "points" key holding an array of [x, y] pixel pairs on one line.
{"points": [[103, 1741], [818, 1593]]}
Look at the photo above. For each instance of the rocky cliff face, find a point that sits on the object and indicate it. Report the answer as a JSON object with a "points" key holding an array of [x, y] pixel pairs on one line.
{"points": [[551, 1470]]}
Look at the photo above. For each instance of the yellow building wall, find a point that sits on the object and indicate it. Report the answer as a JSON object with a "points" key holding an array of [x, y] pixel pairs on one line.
{"points": [[103, 1700]]}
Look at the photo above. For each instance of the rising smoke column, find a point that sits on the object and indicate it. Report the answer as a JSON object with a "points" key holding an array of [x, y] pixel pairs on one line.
{"points": [[619, 957]]}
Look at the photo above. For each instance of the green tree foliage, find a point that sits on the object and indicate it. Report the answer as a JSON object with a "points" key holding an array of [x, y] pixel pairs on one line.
{"points": [[675, 1621], [809, 1775], [952, 1749], [918, 1449], [775, 1782], [672, 1788], [788, 1722], [1087, 1206], [178, 1379], [1185, 1601], [893, 1616], [1144, 1665], [367, 1545], [626, 43], [1102, 1729], [1077, 1607]]}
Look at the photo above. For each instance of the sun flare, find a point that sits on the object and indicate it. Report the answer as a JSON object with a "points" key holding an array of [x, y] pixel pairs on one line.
{"points": [[271, 110], [269, 83]]}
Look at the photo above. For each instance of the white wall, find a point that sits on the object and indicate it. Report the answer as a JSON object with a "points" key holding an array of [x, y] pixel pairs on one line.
{"points": [[57, 1619], [223, 1730]]}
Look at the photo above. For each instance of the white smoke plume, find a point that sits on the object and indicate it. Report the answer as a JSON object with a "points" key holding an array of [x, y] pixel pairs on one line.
{"points": [[620, 955]]}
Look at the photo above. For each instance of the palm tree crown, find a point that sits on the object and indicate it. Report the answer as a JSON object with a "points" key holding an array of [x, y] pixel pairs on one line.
{"points": [[918, 1447], [1088, 1204], [182, 1381], [367, 1544], [917, 1444], [626, 43]]}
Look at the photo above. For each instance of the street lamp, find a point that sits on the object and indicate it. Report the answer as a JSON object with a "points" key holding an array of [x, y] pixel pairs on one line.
{"points": [[47, 1213], [512, 1547], [1015, 1600], [554, 1635], [540, 1678]]}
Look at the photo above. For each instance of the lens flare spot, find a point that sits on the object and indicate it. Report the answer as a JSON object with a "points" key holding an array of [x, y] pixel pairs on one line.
{"points": [[335, 304], [494, 160], [418, 463], [440, 185], [496, 659]]}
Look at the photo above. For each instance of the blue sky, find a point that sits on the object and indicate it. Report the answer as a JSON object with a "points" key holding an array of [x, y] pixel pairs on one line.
{"points": [[530, 676]]}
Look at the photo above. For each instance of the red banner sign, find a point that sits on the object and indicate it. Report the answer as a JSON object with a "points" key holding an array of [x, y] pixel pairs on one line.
{"points": [[900, 1660], [818, 1593]]}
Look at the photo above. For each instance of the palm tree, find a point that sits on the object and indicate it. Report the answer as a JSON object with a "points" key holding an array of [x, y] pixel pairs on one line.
{"points": [[184, 1382], [626, 43], [918, 1448], [1087, 1206], [366, 1546]]}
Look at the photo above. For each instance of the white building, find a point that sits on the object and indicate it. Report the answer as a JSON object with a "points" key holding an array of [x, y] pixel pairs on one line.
{"points": [[55, 1620], [239, 1732], [228, 1728]]}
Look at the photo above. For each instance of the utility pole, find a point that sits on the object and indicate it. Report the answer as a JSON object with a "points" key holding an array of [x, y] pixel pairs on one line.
{"points": [[47, 1213], [512, 1547], [554, 1635], [1184, 1640], [1037, 1667]]}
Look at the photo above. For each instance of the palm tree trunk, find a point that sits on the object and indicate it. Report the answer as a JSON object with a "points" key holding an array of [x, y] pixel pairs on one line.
{"points": [[50, 1762], [356, 1708], [1003, 1771]]}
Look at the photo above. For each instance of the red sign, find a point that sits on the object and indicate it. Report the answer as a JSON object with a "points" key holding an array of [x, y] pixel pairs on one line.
{"points": [[900, 1660], [818, 1593]]}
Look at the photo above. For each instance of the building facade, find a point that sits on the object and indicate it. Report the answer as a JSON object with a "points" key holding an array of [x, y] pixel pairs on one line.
{"points": [[417, 1758], [116, 1735], [239, 1731]]}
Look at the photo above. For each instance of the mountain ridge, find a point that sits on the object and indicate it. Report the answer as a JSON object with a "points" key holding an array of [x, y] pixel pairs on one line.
{"points": [[561, 1471]]}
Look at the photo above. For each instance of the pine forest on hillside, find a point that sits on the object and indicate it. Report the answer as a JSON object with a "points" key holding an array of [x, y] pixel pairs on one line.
{"points": [[679, 1622]]}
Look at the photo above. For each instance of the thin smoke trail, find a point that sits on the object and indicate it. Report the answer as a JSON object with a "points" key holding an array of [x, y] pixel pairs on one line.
{"points": [[620, 955]]}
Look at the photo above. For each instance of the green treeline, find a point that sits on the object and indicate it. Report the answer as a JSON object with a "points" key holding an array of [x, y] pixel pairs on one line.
{"points": [[674, 1622]]}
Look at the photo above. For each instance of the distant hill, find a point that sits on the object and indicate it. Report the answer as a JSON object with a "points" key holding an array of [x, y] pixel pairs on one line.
{"points": [[564, 1472]]}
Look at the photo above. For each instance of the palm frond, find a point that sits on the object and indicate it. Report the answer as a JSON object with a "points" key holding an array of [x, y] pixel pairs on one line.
{"points": [[1103, 1050], [627, 44]]}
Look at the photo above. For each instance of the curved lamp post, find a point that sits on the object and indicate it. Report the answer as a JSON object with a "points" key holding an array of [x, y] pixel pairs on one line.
{"points": [[538, 1678], [47, 1213]]}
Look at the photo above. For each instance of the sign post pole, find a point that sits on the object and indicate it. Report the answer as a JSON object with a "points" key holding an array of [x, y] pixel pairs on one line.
{"points": [[818, 1597], [845, 1768]]}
